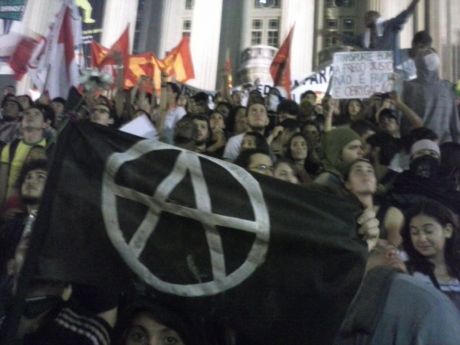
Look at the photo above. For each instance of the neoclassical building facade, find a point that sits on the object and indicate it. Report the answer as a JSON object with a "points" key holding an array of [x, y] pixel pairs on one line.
{"points": [[232, 28]]}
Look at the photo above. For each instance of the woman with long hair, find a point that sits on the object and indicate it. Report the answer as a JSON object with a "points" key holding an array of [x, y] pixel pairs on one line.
{"points": [[431, 241], [297, 153]]}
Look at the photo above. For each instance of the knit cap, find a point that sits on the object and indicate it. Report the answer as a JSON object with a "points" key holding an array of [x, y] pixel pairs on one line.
{"points": [[333, 143]]}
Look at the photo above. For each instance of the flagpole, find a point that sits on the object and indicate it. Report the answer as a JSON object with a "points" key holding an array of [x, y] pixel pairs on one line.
{"points": [[47, 76]]}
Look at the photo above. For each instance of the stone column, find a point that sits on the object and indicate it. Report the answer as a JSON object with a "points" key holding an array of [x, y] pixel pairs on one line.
{"points": [[117, 14], [302, 14], [171, 25], [246, 24], [39, 14], [445, 34], [205, 39]]}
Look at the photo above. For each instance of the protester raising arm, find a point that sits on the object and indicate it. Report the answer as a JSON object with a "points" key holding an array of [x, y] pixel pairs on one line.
{"points": [[331, 109], [408, 113], [161, 115]]}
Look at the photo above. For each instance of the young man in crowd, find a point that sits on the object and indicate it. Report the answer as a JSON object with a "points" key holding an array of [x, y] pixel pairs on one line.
{"points": [[423, 179], [257, 117], [9, 123], [381, 34], [13, 155], [431, 98], [170, 112], [101, 114], [309, 96], [58, 106], [256, 160], [202, 133], [31, 183], [341, 146], [56, 312]]}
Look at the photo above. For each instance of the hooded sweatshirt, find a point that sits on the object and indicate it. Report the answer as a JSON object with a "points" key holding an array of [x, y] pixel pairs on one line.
{"points": [[433, 100], [332, 144]]}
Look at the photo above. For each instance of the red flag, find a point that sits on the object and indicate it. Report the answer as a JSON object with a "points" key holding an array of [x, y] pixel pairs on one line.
{"points": [[118, 51], [98, 53], [141, 65], [178, 62], [21, 56], [280, 69]]}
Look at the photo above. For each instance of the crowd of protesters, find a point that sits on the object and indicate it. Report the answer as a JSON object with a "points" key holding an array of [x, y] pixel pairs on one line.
{"points": [[397, 154]]}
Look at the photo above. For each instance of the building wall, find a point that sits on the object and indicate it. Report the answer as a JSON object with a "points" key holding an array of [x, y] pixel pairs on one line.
{"points": [[117, 15], [164, 27], [446, 35], [204, 42], [222, 28]]}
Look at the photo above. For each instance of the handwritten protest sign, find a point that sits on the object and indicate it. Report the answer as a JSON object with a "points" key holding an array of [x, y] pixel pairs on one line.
{"points": [[361, 74]]}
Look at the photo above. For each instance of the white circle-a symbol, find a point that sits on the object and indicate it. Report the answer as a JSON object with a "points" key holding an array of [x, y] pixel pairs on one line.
{"points": [[186, 161]]}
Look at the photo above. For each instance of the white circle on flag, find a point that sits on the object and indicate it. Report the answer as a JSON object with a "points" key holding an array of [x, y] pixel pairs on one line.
{"points": [[158, 202]]}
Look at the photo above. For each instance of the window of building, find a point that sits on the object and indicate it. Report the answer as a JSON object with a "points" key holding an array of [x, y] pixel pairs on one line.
{"points": [[267, 3], [265, 31], [186, 27], [339, 3], [137, 30], [257, 30], [189, 4], [331, 24], [256, 37], [273, 39], [273, 24], [257, 24], [348, 24], [273, 32], [330, 41]]}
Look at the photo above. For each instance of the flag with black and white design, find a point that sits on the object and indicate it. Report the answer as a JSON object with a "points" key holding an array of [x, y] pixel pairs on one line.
{"points": [[276, 262]]}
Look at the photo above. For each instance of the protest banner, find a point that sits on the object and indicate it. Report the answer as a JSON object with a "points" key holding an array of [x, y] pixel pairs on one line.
{"points": [[318, 82], [361, 74], [118, 209]]}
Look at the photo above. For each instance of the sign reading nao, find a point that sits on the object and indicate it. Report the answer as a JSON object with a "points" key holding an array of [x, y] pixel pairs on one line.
{"points": [[361, 74]]}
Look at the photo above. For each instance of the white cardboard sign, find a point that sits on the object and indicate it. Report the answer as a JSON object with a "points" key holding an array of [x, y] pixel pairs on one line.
{"points": [[361, 74]]}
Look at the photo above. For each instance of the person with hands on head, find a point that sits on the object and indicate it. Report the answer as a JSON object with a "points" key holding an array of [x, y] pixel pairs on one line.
{"points": [[218, 139], [361, 181], [170, 113], [393, 308]]}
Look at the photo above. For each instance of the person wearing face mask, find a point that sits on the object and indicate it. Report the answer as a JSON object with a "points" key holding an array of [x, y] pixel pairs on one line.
{"points": [[431, 98], [423, 180], [272, 100]]}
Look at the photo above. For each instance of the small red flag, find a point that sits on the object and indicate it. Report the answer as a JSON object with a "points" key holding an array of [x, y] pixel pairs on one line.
{"points": [[178, 62], [119, 52], [280, 69]]}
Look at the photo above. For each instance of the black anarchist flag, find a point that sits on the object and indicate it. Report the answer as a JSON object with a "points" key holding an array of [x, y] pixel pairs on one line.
{"points": [[276, 262]]}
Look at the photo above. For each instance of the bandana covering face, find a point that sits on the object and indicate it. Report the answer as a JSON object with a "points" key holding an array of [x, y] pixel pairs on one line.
{"points": [[378, 29], [432, 62], [425, 167]]}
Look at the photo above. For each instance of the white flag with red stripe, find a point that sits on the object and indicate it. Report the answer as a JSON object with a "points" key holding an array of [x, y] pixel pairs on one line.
{"points": [[55, 68]]}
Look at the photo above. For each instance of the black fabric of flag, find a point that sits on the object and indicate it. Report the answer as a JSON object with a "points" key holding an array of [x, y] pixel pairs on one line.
{"points": [[307, 261]]}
